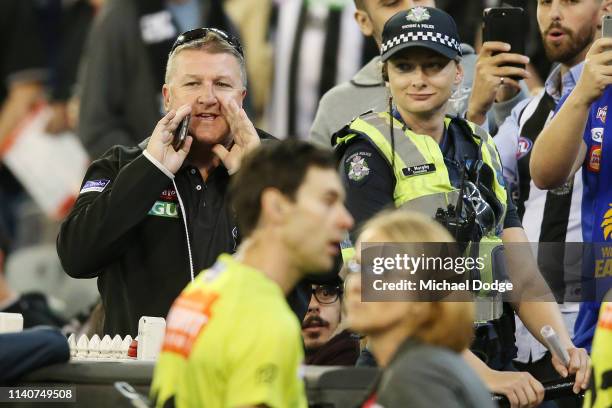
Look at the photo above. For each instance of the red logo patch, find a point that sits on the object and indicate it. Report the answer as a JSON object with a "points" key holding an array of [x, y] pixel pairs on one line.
{"points": [[594, 159], [168, 195]]}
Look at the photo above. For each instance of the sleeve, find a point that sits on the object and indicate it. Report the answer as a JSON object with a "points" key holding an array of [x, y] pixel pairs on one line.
{"points": [[26, 351], [512, 219], [265, 370], [103, 85], [368, 181], [501, 110], [320, 132], [113, 200], [422, 387]]}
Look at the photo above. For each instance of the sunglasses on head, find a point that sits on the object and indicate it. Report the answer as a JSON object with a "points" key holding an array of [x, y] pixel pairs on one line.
{"points": [[198, 33]]}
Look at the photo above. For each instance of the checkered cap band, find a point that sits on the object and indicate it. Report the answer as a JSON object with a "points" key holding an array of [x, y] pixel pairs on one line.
{"points": [[421, 36]]}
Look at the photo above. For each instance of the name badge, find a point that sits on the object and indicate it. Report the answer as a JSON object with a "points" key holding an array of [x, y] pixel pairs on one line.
{"points": [[418, 170]]}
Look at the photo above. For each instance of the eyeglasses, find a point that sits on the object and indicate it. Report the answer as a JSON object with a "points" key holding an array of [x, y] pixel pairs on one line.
{"points": [[201, 32], [326, 294]]}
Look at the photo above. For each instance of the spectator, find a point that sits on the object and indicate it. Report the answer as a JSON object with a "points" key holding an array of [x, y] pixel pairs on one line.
{"points": [[22, 72], [324, 340], [124, 66], [418, 344], [574, 140], [231, 340], [367, 91], [567, 30], [71, 30], [316, 46], [132, 196]]}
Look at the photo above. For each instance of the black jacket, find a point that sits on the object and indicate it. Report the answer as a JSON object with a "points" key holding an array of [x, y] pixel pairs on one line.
{"points": [[126, 229]]}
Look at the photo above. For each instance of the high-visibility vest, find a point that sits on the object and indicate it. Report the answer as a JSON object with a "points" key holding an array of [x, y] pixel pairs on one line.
{"points": [[422, 179]]}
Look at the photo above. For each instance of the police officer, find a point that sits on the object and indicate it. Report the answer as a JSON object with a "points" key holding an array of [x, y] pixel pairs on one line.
{"points": [[413, 156]]}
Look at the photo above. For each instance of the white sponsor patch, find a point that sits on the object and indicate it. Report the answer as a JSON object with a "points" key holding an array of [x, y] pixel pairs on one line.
{"points": [[597, 134], [95, 185]]}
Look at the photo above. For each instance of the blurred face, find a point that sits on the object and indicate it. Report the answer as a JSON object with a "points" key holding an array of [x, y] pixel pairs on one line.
{"points": [[421, 80], [317, 221], [371, 318], [568, 27], [206, 81], [375, 14], [322, 318]]}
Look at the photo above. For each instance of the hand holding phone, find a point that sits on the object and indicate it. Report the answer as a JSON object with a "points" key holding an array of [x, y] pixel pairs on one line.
{"points": [[508, 25]]}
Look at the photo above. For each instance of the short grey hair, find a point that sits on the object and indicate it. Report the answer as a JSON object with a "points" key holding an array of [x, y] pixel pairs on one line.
{"points": [[212, 43]]}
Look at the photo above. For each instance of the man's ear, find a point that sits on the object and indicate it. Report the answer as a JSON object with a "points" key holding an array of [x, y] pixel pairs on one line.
{"points": [[274, 206], [243, 95], [166, 96], [364, 22]]}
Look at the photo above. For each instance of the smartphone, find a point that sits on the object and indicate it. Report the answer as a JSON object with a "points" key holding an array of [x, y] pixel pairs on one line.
{"points": [[506, 24], [181, 132], [606, 26]]}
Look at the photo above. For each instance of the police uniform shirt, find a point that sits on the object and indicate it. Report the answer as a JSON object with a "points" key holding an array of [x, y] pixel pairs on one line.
{"points": [[370, 183]]}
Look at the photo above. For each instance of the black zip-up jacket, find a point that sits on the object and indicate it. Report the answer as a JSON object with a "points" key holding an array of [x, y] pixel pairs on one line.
{"points": [[126, 229]]}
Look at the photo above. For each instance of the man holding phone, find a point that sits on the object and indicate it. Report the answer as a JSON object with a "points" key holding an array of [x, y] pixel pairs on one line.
{"points": [[149, 218], [575, 140]]}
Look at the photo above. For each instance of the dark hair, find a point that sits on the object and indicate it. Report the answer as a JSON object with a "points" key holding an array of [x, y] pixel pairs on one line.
{"points": [[280, 165], [359, 5]]}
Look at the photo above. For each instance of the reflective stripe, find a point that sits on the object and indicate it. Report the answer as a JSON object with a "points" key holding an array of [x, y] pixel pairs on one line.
{"points": [[411, 150]]}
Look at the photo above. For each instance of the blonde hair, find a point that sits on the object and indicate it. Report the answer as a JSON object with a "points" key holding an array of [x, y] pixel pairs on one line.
{"points": [[445, 324], [212, 43]]}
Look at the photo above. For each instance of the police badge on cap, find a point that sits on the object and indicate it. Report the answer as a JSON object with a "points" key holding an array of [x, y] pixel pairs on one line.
{"points": [[421, 27]]}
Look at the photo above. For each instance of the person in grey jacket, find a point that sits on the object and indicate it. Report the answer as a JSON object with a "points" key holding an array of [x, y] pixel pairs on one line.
{"points": [[418, 344], [367, 91]]}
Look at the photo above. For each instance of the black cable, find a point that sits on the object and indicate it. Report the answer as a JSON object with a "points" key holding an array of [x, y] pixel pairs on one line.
{"points": [[392, 134]]}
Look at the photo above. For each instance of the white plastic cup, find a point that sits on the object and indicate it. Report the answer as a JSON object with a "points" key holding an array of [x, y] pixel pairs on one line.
{"points": [[151, 332]]}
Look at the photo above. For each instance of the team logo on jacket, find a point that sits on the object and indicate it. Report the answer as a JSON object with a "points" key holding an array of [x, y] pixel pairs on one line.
{"points": [[94, 185], [164, 209], [594, 159], [524, 147], [602, 113], [597, 134], [358, 168], [418, 14]]}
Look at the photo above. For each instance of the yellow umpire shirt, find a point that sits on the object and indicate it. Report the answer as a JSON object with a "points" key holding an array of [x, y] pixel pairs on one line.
{"points": [[231, 340], [600, 393]]}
